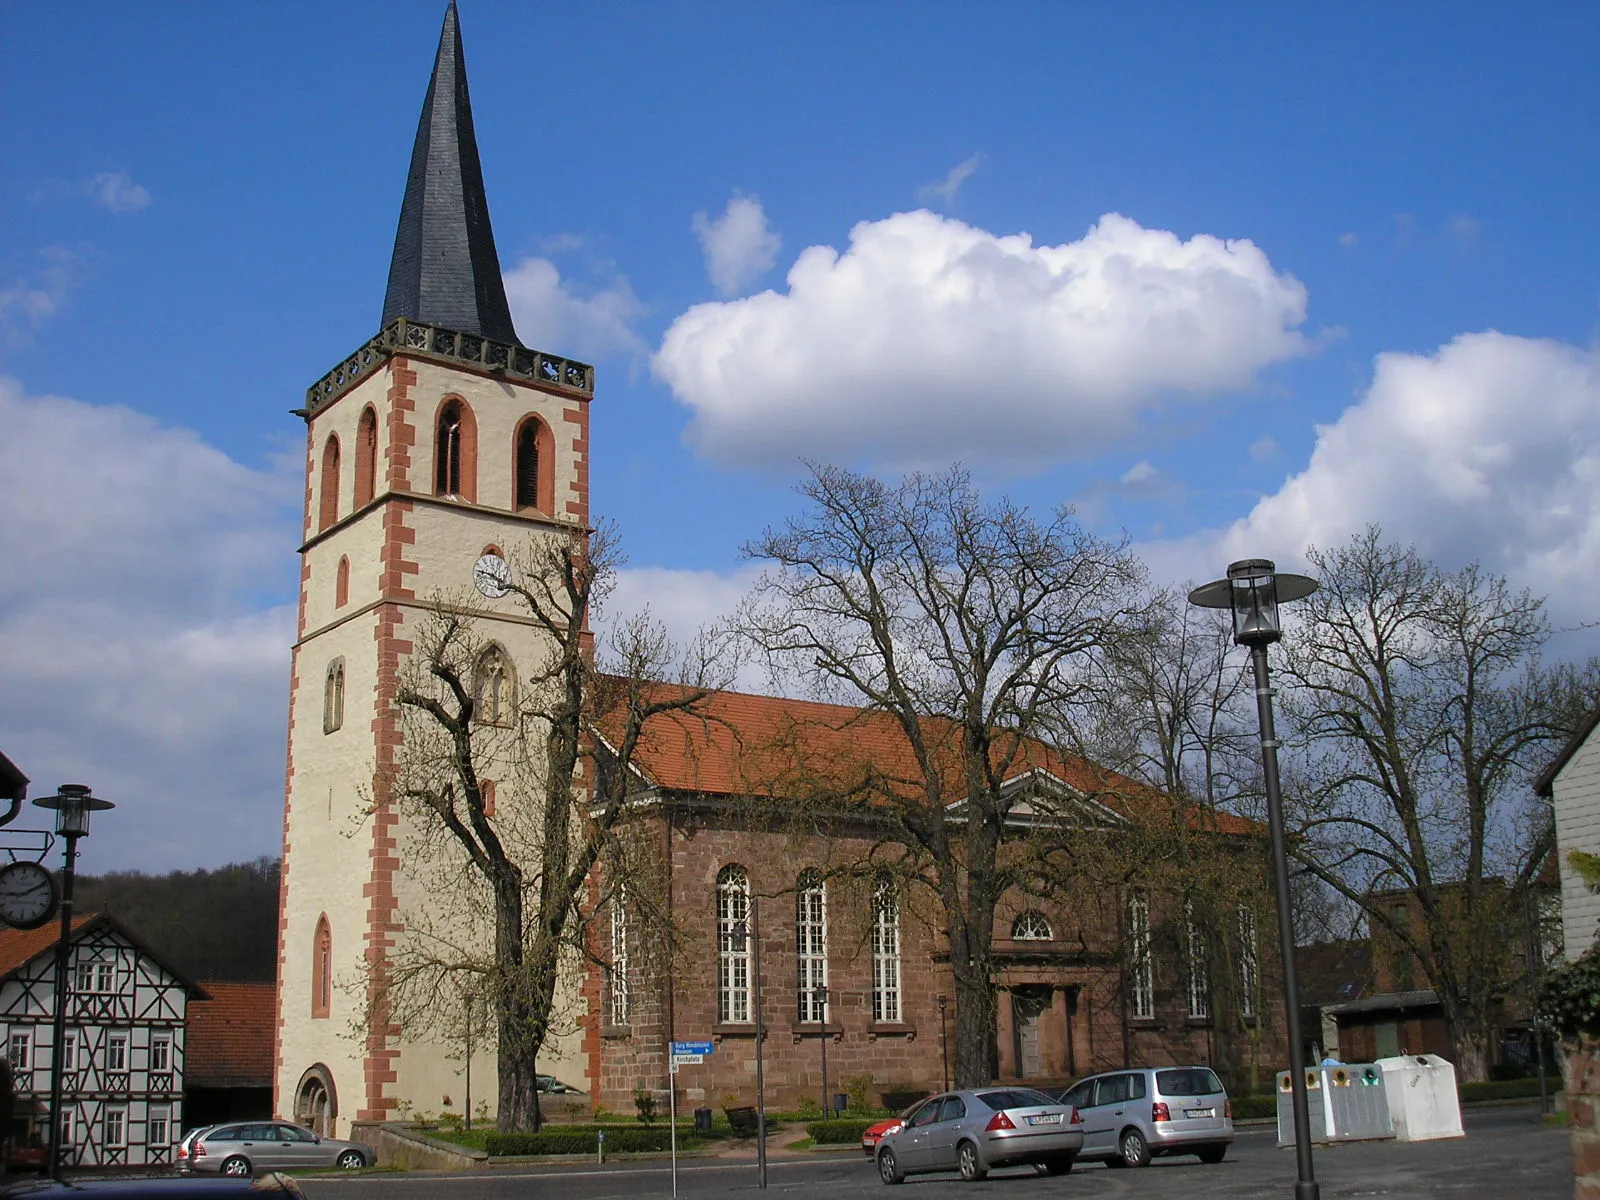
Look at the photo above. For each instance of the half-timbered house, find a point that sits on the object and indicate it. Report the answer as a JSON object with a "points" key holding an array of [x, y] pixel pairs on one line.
{"points": [[123, 1053]]}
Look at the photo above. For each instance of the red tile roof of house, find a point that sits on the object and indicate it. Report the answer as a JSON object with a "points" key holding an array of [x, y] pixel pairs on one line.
{"points": [[736, 743], [229, 1040], [19, 947]]}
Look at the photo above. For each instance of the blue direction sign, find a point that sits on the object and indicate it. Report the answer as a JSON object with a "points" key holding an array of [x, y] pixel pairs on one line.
{"points": [[694, 1047]]}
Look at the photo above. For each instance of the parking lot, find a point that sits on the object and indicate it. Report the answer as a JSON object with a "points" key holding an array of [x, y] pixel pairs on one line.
{"points": [[1507, 1155]]}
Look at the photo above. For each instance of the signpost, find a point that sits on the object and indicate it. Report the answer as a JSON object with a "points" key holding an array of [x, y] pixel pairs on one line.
{"points": [[681, 1053]]}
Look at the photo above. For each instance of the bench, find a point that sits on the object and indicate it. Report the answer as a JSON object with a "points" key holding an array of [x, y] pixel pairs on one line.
{"points": [[743, 1121]]}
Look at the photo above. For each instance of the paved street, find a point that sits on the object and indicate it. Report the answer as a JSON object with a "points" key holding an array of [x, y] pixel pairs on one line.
{"points": [[1506, 1155]]}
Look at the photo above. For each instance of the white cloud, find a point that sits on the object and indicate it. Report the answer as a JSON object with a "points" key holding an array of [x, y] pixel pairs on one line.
{"points": [[143, 628], [551, 314], [27, 302], [1462, 229], [738, 245], [1350, 240], [1264, 449], [929, 339], [945, 191], [115, 192], [1486, 450], [686, 602]]}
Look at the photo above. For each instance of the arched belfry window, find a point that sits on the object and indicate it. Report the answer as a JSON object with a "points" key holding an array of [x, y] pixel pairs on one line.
{"points": [[1031, 926], [447, 451], [367, 457], [535, 468], [330, 482], [733, 945], [322, 969], [493, 688], [333, 697]]}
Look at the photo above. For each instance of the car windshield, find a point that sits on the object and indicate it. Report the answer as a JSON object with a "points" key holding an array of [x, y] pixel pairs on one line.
{"points": [[1188, 1081], [1014, 1098]]}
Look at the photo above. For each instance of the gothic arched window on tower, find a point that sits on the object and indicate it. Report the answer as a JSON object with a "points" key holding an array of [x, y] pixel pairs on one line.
{"points": [[322, 969], [367, 457], [535, 462], [447, 473], [333, 697], [493, 688], [330, 482], [341, 583]]}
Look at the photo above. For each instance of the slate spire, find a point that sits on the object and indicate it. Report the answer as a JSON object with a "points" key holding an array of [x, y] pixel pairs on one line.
{"points": [[445, 270]]}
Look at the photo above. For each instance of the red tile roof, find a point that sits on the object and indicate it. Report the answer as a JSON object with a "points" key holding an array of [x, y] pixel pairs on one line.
{"points": [[736, 743], [19, 947], [229, 1041]]}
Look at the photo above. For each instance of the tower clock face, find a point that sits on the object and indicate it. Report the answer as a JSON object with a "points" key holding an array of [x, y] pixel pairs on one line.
{"points": [[27, 895], [492, 575]]}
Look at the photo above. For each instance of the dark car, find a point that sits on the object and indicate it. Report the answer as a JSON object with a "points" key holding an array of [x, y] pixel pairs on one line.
{"points": [[160, 1189]]}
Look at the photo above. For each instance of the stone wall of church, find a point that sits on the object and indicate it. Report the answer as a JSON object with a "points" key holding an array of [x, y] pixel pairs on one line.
{"points": [[1075, 975]]}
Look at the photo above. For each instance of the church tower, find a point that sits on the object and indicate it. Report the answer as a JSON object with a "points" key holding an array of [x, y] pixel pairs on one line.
{"points": [[440, 440]]}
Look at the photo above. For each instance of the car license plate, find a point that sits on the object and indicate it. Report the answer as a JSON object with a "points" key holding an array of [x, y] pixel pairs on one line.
{"points": [[1199, 1112], [1045, 1119]]}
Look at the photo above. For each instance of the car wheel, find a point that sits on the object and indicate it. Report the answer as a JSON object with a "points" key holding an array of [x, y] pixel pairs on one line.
{"points": [[1058, 1166], [236, 1165], [1212, 1154], [352, 1160], [1135, 1151], [972, 1168], [888, 1169]]}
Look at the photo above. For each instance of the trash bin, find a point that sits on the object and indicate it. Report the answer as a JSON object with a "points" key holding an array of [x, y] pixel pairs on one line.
{"points": [[841, 1102], [1421, 1090], [702, 1120], [1345, 1101]]}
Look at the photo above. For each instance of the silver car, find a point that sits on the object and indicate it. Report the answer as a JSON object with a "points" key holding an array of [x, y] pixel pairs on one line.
{"points": [[255, 1147], [1131, 1116], [976, 1129]]}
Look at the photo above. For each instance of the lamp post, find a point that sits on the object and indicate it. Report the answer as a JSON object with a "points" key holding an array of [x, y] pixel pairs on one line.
{"points": [[743, 932], [944, 1046], [1253, 591], [822, 992], [72, 807]]}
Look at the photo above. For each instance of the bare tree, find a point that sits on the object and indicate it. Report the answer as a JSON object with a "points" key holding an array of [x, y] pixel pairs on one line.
{"points": [[972, 626], [522, 859], [1420, 703]]}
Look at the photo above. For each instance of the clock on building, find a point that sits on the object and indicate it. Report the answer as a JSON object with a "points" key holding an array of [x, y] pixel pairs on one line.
{"points": [[27, 895], [492, 574]]}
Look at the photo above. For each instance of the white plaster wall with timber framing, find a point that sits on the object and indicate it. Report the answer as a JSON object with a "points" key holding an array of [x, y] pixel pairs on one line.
{"points": [[1576, 796], [124, 1052]]}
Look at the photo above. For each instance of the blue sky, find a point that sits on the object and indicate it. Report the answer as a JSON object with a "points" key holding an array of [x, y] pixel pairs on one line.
{"points": [[1352, 277]]}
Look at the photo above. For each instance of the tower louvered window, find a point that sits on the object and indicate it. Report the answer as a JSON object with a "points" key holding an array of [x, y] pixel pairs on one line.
{"points": [[528, 465], [447, 474]]}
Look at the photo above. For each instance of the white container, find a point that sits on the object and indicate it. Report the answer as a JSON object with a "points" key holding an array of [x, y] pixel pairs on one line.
{"points": [[1423, 1102], [1345, 1101]]}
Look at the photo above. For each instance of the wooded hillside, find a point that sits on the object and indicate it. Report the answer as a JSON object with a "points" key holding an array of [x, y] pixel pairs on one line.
{"points": [[220, 924]]}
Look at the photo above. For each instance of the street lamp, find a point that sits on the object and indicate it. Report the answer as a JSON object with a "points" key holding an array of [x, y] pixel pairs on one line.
{"points": [[1253, 591], [743, 932], [822, 994], [72, 807], [944, 1045]]}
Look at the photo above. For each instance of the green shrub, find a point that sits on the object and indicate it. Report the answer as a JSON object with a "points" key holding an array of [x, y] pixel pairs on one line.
{"points": [[1570, 998], [645, 1102], [836, 1133], [620, 1139], [1247, 1108], [898, 1099], [1505, 1089]]}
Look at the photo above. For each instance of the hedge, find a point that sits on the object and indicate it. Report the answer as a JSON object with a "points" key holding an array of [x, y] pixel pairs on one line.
{"points": [[837, 1133], [1504, 1089], [1246, 1108], [622, 1139]]}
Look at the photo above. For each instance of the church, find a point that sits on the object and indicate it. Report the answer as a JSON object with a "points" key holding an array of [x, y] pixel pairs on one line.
{"points": [[435, 447]]}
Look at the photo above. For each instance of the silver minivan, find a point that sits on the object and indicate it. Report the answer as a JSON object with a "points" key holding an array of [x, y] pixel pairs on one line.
{"points": [[1131, 1116]]}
